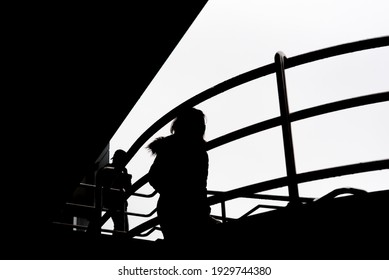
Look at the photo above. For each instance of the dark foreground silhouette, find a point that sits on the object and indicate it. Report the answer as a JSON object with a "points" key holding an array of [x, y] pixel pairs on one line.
{"points": [[179, 173], [113, 179]]}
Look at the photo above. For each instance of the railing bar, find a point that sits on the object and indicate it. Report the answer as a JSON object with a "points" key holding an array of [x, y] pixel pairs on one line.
{"points": [[301, 178], [281, 182], [286, 128], [143, 227], [295, 116], [70, 225], [239, 80], [114, 189], [76, 205], [97, 213], [223, 208], [254, 188], [82, 227], [113, 231], [128, 192], [135, 214], [149, 232], [251, 211], [299, 115], [87, 185], [257, 196], [240, 133], [251, 75], [256, 208], [145, 195], [85, 227], [197, 99], [142, 215], [340, 105], [265, 196], [276, 197], [134, 194], [221, 218], [343, 170], [336, 51], [137, 185]]}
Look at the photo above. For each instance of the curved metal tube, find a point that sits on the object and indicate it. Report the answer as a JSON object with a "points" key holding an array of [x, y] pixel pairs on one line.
{"points": [[254, 74]]}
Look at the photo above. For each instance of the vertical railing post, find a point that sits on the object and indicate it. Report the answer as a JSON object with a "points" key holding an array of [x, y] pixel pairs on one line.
{"points": [[224, 215], [96, 228], [286, 128]]}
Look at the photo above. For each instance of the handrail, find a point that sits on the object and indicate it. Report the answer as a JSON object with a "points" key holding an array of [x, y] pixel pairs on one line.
{"points": [[301, 178], [266, 196], [142, 215], [299, 115], [149, 232], [340, 105], [306, 113], [84, 185], [255, 74], [91, 208], [278, 183], [130, 191], [145, 195], [295, 116], [286, 126], [251, 191], [133, 193], [197, 99], [337, 50], [248, 213]]}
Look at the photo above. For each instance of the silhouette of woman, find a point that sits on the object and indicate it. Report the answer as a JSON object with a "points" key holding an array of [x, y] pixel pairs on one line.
{"points": [[179, 173]]}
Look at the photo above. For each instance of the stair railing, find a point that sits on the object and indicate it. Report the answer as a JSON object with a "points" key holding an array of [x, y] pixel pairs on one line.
{"points": [[284, 120]]}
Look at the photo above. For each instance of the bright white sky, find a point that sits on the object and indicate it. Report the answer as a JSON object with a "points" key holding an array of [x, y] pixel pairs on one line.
{"points": [[230, 37]]}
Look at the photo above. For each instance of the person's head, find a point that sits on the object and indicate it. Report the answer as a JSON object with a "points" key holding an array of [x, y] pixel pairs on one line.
{"points": [[189, 123], [119, 158]]}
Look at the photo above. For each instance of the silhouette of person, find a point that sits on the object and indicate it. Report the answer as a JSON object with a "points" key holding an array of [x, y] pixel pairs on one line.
{"points": [[179, 173], [114, 179]]}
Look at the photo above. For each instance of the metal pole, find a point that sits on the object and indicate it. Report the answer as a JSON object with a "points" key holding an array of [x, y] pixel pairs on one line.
{"points": [[224, 215], [286, 128], [98, 210]]}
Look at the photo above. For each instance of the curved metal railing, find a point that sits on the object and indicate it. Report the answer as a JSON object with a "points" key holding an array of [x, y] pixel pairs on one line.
{"points": [[284, 120], [252, 75], [281, 63]]}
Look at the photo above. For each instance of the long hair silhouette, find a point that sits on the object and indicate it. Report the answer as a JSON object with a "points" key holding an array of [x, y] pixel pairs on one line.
{"points": [[179, 173]]}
